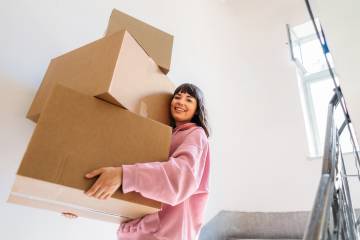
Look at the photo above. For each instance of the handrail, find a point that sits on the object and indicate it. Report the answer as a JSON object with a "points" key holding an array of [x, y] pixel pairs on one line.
{"points": [[323, 42], [317, 225], [329, 137], [333, 216], [319, 215], [332, 212]]}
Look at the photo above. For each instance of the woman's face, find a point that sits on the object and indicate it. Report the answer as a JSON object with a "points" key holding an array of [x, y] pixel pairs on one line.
{"points": [[183, 107]]}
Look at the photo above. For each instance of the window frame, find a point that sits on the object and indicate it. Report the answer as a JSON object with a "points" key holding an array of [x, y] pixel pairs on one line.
{"points": [[305, 80]]}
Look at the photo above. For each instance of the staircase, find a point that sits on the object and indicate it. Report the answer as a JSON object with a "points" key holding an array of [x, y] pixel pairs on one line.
{"points": [[332, 215], [230, 225]]}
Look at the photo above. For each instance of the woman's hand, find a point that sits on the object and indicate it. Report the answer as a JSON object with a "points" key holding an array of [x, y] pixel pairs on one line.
{"points": [[69, 215], [109, 181]]}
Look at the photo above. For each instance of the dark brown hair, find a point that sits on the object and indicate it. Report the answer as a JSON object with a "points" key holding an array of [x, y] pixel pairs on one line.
{"points": [[200, 116]]}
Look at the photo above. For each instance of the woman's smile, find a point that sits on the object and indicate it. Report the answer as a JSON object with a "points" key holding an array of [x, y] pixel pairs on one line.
{"points": [[183, 107], [180, 109]]}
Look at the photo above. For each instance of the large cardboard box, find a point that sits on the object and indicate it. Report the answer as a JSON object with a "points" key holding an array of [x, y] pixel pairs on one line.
{"points": [[158, 44], [115, 69], [76, 134]]}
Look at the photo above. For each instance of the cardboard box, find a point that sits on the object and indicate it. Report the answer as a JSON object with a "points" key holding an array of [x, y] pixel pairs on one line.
{"points": [[76, 134], [115, 69], [156, 43]]}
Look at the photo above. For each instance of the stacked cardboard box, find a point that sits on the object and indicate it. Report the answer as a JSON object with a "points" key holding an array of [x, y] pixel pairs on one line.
{"points": [[155, 42], [104, 104]]}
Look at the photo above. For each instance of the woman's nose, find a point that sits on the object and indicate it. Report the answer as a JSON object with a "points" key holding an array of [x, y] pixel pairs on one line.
{"points": [[182, 103]]}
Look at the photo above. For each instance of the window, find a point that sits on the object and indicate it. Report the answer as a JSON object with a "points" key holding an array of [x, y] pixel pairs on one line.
{"points": [[315, 85]]}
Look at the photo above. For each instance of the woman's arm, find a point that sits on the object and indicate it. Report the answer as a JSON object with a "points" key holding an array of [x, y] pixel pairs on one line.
{"points": [[173, 181]]}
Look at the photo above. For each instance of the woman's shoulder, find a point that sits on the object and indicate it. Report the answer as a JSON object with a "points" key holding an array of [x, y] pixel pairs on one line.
{"points": [[196, 135], [197, 130]]}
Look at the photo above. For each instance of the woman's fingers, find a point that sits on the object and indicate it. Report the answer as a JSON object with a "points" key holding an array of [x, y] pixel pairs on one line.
{"points": [[103, 195], [107, 193], [100, 192], [94, 173], [94, 188], [69, 215], [107, 183], [108, 196], [110, 192]]}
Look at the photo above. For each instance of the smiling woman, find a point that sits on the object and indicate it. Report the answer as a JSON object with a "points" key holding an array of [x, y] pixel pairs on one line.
{"points": [[183, 107], [181, 183], [192, 97]]}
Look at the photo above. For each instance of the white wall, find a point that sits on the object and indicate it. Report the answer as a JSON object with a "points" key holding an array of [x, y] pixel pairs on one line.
{"points": [[341, 23], [259, 144], [234, 50]]}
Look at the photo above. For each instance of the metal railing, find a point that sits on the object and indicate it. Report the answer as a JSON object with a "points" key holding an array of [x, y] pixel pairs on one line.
{"points": [[333, 215]]}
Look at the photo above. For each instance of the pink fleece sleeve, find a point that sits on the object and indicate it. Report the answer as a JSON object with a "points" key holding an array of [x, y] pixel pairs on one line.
{"points": [[173, 181]]}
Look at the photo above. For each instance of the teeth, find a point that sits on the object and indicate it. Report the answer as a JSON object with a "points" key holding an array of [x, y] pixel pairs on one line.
{"points": [[179, 109]]}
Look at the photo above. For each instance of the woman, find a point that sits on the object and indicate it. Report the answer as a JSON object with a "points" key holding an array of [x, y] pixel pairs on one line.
{"points": [[181, 183]]}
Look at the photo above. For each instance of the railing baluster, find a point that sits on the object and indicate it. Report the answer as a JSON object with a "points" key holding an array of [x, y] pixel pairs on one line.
{"points": [[333, 216], [333, 193]]}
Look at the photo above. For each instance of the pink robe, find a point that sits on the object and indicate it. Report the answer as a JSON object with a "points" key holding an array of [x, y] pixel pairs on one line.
{"points": [[181, 184]]}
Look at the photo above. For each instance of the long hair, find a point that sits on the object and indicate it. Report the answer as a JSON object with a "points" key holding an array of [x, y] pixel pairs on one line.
{"points": [[200, 117]]}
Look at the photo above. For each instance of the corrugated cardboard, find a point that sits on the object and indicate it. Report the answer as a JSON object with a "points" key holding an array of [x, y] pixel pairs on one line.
{"points": [[156, 43], [114, 68], [76, 134], [50, 196]]}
